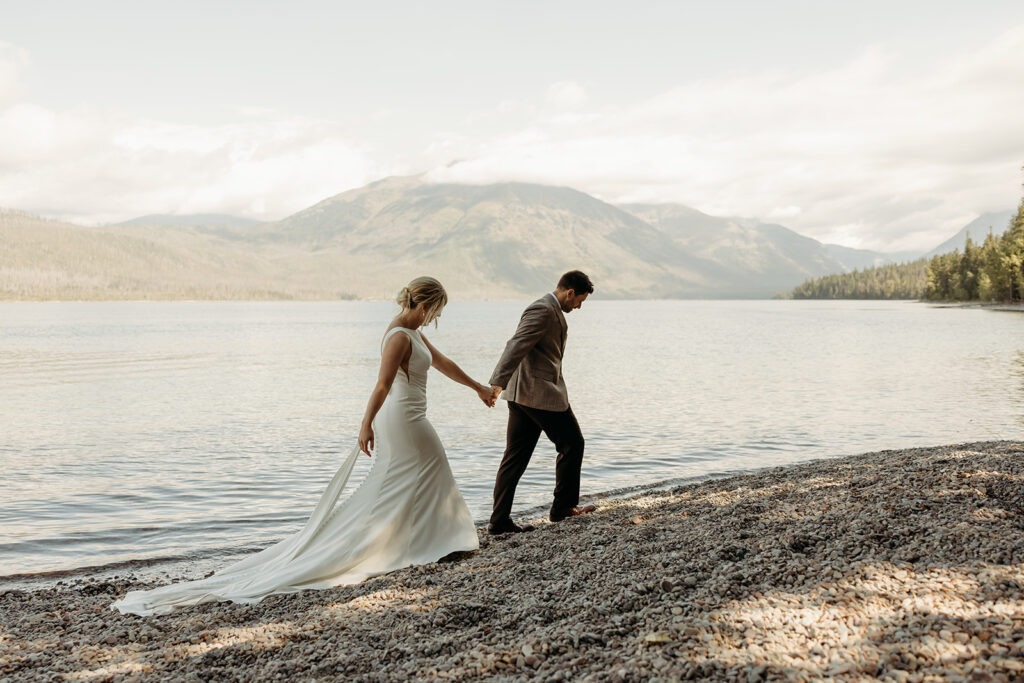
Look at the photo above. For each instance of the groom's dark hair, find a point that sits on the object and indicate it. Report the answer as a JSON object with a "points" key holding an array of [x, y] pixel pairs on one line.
{"points": [[576, 280]]}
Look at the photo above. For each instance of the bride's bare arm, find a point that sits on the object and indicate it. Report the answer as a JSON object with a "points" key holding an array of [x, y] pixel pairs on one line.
{"points": [[396, 350], [451, 370]]}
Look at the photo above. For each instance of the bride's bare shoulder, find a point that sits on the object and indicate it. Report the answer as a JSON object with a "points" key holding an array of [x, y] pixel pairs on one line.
{"points": [[400, 340]]}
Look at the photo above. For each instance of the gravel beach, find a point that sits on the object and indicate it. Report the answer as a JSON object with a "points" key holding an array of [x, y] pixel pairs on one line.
{"points": [[901, 565]]}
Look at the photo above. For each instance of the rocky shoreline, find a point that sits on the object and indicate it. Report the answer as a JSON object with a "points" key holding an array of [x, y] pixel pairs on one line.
{"points": [[901, 565], [1006, 307]]}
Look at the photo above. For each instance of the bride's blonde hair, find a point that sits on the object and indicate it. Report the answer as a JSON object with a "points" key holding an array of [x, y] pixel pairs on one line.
{"points": [[426, 292]]}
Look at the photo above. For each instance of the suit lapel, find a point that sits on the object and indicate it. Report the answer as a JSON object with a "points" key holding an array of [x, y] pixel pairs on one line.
{"points": [[561, 318]]}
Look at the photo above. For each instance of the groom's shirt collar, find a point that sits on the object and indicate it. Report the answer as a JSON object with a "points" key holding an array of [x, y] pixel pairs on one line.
{"points": [[558, 305]]}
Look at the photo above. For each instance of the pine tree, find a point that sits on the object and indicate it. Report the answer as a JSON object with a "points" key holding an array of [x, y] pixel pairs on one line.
{"points": [[894, 281]]}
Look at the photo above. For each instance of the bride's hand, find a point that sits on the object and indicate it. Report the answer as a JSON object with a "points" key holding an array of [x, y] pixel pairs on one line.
{"points": [[486, 395], [366, 439]]}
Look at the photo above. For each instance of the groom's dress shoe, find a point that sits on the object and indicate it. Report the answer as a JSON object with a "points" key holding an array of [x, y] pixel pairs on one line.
{"points": [[508, 527], [571, 512]]}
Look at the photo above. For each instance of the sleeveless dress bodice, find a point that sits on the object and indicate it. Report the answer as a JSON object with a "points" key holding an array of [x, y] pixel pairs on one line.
{"points": [[410, 388]]}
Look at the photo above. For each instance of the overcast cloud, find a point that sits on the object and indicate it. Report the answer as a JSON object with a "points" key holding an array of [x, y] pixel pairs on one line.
{"points": [[858, 155], [874, 150]]}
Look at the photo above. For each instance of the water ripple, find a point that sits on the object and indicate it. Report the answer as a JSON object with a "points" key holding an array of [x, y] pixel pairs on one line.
{"points": [[203, 429]]}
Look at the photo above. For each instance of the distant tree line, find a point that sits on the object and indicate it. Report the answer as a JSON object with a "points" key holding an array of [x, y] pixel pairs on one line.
{"points": [[894, 281], [991, 271]]}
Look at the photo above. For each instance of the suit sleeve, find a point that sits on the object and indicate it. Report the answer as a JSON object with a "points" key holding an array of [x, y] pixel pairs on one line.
{"points": [[532, 327]]}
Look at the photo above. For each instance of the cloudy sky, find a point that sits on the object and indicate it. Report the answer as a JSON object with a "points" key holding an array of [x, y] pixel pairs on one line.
{"points": [[885, 125]]}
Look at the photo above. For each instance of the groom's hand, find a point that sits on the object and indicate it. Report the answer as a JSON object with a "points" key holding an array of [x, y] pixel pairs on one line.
{"points": [[484, 392], [495, 393]]}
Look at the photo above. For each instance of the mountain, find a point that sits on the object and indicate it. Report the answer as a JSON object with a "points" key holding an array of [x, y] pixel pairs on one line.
{"points": [[497, 241], [757, 258], [45, 259], [515, 238], [500, 240], [978, 228], [194, 220], [859, 259]]}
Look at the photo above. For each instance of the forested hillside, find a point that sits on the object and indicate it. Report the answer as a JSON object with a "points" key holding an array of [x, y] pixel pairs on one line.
{"points": [[895, 281], [992, 271]]}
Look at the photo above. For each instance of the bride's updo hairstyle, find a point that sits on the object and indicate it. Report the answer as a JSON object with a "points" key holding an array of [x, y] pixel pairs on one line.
{"points": [[426, 292]]}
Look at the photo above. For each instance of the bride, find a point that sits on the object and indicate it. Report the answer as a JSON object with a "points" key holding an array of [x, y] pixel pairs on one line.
{"points": [[407, 510]]}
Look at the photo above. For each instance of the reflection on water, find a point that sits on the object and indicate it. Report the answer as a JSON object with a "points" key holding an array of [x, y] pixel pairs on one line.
{"points": [[145, 430]]}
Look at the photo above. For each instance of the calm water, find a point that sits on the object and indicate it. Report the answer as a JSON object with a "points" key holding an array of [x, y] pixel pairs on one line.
{"points": [[145, 430]]}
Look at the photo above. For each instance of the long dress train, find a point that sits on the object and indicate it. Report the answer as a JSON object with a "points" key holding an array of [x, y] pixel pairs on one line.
{"points": [[407, 511]]}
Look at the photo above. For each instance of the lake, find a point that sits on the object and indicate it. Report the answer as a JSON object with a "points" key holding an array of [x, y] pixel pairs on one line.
{"points": [[155, 430]]}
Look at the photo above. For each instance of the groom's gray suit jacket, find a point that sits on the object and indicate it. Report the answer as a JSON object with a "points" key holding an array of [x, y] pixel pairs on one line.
{"points": [[530, 369]]}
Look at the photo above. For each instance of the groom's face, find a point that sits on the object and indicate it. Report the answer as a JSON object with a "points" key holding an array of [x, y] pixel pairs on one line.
{"points": [[573, 301]]}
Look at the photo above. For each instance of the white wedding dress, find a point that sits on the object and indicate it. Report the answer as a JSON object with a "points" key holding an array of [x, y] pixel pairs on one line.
{"points": [[407, 511]]}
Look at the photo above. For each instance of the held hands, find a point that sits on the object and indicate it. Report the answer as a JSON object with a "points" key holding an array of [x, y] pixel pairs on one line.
{"points": [[495, 393], [366, 439], [486, 395]]}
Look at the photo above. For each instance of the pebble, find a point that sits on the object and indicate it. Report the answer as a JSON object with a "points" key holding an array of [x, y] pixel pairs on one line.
{"points": [[900, 565]]}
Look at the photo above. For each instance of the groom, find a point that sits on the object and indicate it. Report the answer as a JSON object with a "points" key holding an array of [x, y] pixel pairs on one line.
{"points": [[530, 374]]}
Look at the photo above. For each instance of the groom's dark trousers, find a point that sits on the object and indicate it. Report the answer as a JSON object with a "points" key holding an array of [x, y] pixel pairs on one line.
{"points": [[524, 428]]}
